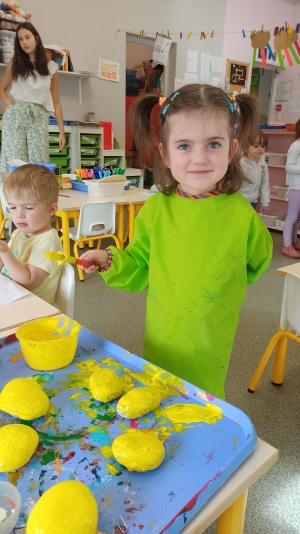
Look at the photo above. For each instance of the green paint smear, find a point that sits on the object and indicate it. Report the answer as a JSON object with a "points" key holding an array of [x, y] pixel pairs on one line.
{"points": [[121, 483], [48, 439], [47, 457], [42, 379], [52, 392]]}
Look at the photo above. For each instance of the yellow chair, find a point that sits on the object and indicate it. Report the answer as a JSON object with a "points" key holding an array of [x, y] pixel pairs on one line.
{"points": [[289, 320], [96, 221], [5, 220]]}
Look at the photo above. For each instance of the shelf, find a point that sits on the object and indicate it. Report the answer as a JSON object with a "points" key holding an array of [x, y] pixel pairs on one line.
{"points": [[279, 132], [78, 75], [280, 229], [276, 166]]}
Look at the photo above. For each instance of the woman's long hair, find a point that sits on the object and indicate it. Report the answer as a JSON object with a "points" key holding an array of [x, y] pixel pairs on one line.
{"points": [[22, 66]]}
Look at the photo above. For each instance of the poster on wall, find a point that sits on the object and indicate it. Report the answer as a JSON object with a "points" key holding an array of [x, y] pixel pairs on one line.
{"points": [[161, 49], [283, 91], [238, 74], [109, 70]]}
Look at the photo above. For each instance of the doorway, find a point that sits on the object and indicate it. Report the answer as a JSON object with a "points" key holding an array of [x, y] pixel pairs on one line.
{"points": [[261, 88]]}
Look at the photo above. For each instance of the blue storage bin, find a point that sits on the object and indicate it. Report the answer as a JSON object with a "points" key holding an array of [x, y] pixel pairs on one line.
{"points": [[53, 122], [51, 166], [131, 72], [79, 185]]}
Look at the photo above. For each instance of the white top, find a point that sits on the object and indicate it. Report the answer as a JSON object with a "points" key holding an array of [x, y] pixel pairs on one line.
{"points": [[293, 166], [258, 174], [35, 90]]}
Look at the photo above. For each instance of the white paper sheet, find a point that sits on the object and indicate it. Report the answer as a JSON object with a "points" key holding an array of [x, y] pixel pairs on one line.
{"points": [[109, 70], [161, 49], [192, 58], [216, 64], [10, 291], [283, 91], [205, 67], [189, 77], [294, 103]]}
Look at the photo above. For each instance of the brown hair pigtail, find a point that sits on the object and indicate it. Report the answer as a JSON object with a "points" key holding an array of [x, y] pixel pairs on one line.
{"points": [[140, 128]]}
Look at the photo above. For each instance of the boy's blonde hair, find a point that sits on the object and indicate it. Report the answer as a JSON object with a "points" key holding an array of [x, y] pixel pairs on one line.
{"points": [[35, 180]]}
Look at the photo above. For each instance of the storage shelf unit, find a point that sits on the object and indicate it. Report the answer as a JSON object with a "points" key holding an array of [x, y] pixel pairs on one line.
{"points": [[279, 142]]}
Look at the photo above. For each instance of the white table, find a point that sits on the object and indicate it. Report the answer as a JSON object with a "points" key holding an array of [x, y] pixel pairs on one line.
{"points": [[289, 269], [20, 311]]}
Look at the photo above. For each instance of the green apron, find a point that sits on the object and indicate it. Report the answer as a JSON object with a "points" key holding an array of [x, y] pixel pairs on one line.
{"points": [[196, 258]]}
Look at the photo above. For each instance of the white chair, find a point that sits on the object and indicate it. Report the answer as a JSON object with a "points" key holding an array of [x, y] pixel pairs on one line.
{"points": [[289, 320], [6, 212], [64, 298], [96, 221]]}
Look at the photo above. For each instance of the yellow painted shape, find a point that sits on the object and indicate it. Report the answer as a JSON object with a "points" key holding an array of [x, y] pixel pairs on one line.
{"points": [[77, 395], [138, 402], [106, 451], [165, 383], [24, 398], [80, 379], [193, 413], [105, 385], [60, 257], [68, 507], [138, 451], [85, 406], [13, 477], [49, 343], [17, 444]]}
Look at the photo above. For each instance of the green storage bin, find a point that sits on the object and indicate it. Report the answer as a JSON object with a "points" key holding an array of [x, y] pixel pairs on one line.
{"points": [[112, 161], [61, 161], [88, 152], [66, 170], [53, 138], [89, 139], [89, 162], [54, 150]]}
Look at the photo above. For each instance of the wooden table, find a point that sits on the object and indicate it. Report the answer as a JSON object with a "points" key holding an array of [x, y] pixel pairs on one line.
{"points": [[70, 202], [20, 311], [228, 505], [289, 269]]}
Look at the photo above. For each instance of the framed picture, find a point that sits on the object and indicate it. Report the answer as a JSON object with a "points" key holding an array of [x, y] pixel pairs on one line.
{"points": [[237, 77], [238, 74]]}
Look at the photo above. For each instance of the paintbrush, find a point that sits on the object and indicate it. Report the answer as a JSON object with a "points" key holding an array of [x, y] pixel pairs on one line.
{"points": [[161, 377], [61, 257]]}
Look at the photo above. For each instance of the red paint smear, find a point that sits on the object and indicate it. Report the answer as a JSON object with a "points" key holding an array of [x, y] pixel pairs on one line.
{"points": [[10, 339], [69, 457], [141, 526], [209, 396], [86, 467], [190, 505], [133, 423], [102, 499], [1, 346], [127, 501]]}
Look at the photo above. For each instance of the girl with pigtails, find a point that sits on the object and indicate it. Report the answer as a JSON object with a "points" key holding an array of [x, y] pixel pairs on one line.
{"points": [[197, 242]]}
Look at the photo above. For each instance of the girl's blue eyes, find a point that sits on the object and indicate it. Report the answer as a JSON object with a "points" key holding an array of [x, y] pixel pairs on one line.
{"points": [[213, 144]]}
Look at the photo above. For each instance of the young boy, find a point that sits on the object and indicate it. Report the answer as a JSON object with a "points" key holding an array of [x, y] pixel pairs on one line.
{"points": [[31, 192], [255, 169]]}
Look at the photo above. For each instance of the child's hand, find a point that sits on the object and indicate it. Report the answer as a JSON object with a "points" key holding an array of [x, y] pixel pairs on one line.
{"points": [[3, 247], [97, 257], [265, 208]]}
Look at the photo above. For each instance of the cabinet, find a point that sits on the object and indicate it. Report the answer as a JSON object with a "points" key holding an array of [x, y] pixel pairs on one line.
{"points": [[279, 141], [86, 149]]}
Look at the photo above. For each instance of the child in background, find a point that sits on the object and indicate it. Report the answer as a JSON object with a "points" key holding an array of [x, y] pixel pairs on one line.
{"points": [[291, 224], [256, 171], [197, 242], [31, 192]]}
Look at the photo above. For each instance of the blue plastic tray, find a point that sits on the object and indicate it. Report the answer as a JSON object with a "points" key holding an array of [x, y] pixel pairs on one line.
{"points": [[79, 185], [199, 456], [53, 122], [268, 127]]}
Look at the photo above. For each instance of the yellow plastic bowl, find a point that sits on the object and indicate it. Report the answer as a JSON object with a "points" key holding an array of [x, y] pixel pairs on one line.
{"points": [[49, 343]]}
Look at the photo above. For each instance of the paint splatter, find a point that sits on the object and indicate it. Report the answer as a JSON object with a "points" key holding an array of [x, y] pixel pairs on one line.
{"points": [[193, 413], [16, 357], [14, 477], [171, 496], [106, 451], [234, 443], [114, 469]]}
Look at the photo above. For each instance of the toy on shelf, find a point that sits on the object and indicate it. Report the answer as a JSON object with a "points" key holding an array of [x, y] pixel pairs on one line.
{"points": [[11, 15]]}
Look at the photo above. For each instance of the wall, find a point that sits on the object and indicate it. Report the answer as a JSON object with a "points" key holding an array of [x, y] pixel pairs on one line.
{"points": [[89, 32]]}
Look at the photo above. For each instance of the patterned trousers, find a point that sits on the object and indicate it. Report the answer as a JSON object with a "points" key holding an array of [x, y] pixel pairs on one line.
{"points": [[24, 134]]}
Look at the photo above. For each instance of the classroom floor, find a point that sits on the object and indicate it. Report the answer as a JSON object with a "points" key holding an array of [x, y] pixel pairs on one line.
{"points": [[273, 502]]}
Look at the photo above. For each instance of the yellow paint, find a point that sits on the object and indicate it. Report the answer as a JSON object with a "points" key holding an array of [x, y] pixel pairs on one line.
{"points": [[193, 413], [138, 451], [14, 477], [68, 507], [112, 469], [80, 379], [122, 425], [77, 395], [48, 343], [105, 385], [58, 465], [138, 402], [60, 257], [234, 443], [108, 500], [17, 445], [85, 406], [106, 451], [165, 383], [169, 381], [112, 363], [24, 398]]}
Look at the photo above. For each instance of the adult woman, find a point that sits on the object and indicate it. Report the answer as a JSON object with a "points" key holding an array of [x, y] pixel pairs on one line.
{"points": [[34, 94]]}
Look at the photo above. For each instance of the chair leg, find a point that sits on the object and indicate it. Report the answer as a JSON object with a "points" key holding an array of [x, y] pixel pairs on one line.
{"points": [[279, 361], [99, 244], [116, 240], [80, 272], [268, 352]]}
